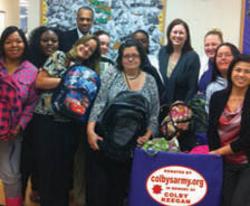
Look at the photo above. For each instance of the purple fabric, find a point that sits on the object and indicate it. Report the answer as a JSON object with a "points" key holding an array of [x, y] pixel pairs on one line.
{"points": [[171, 185], [201, 138], [206, 78], [246, 32], [201, 149]]}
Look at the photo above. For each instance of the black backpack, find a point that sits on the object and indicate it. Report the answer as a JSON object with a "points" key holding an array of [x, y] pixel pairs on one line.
{"points": [[121, 123]]}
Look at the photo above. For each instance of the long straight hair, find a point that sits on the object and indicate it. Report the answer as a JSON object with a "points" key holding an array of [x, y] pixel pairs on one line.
{"points": [[237, 59], [187, 45], [235, 52]]}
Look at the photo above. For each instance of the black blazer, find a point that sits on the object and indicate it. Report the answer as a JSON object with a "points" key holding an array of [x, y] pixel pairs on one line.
{"points": [[216, 107], [182, 84], [68, 39]]}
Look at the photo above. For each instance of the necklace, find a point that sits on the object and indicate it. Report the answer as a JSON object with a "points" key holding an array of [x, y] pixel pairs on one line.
{"points": [[132, 77]]}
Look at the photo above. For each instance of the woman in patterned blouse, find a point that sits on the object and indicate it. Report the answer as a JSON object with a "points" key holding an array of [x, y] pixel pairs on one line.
{"points": [[109, 179]]}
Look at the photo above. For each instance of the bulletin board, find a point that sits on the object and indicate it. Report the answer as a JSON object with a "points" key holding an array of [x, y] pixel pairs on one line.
{"points": [[118, 17], [245, 27]]}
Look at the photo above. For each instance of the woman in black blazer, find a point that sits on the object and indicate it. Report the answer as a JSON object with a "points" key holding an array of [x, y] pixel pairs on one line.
{"points": [[179, 64], [229, 132]]}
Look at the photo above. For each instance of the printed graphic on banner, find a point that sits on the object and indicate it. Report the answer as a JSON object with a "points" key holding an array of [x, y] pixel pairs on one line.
{"points": [[176, 186]]}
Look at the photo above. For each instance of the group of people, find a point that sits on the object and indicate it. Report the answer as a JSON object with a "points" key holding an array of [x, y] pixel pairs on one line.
{"points": [[42, 144]]}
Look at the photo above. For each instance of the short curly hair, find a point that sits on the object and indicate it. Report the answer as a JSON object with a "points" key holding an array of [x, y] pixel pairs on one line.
{"points": [[37, 56], [131, 43]]}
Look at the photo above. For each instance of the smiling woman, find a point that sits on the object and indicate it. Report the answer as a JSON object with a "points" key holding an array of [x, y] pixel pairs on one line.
{"points": [[179, 64], [111, 173], [224, 55], [43, 42], [17, 78], [57, 135], [241, 74], [14, 47], [228, 132], [212, 40]]}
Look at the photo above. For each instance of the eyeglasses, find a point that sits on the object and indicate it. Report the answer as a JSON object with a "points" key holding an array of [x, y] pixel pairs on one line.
{"points": [[239, 70], [131, 56], [224, 54]]}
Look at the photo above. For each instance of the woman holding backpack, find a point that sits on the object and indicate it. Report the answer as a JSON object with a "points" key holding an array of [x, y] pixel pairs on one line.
{"points": [[57, 135], [109, 169], [43, 41], [17, 102]]}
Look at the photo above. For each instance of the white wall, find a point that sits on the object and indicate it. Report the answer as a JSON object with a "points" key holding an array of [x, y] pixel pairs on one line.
{"points": [[203, 15], [33, 14]]}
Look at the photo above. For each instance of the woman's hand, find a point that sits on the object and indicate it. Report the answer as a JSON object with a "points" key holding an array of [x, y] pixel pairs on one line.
{"points": [[225, 150], [93, 138], [16, 131], [142, 139], [214, 152], [46, 82]]}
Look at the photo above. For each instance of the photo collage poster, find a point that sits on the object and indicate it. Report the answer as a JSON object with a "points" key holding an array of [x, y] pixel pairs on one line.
{"points": [[118, 18]]}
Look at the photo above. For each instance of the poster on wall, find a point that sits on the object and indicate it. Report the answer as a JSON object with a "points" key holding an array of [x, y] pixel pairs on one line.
{"points": [[245, 39], [119, 18]]}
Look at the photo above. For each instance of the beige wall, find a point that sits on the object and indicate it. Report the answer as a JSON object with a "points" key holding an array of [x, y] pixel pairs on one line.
{"points": [[11, 7], [203, 15]]}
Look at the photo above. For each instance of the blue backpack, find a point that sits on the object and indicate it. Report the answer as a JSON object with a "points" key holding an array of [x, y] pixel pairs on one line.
{"points": [[76, 93]]}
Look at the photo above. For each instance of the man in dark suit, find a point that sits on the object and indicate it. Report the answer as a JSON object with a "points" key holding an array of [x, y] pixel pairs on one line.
{"points": [[84, 21]]}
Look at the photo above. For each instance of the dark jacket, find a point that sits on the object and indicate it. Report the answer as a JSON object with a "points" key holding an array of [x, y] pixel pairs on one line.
{"points": [[68, 39], [148, 67], [182, 85], [206, 78], [217, 104]]}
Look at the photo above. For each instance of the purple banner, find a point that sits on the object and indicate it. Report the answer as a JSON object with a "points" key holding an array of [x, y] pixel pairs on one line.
{"points": [[175, 179], [246, 32]]}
